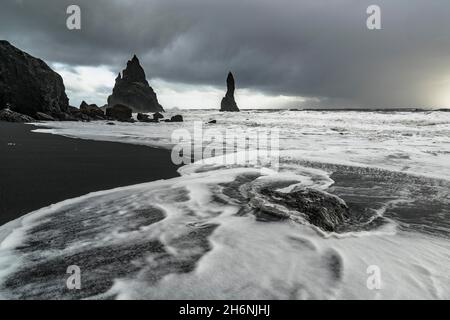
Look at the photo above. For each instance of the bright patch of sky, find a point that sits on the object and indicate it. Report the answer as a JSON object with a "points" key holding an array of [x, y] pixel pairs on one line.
{"points": [[95, 84]]}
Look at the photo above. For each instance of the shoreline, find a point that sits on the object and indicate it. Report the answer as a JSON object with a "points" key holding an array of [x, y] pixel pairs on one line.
{"points": [[38, 170]]}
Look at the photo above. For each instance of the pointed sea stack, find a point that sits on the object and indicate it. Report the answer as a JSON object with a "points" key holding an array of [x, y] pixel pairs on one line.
{"points": [[132, 90], [228, 102]]}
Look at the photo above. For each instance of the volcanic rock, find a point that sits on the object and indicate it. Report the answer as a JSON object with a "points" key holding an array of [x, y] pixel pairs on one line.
{"points": [[76, 114], [157, 116], [44, 117], [143, 117], [12, 116], [68, 117], [319, 208], [177, 118], [28, 83], [132, 89], [228, 102], [92, 110], [119, 112], [73, 110]]}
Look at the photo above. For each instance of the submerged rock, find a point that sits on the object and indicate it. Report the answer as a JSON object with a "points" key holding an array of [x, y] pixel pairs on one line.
{"points": [[119, 112], [28, 83], [177, 118], [228, 102], [12, 116], [132, 89], [142, 117], [324, 210], [157, 116]]}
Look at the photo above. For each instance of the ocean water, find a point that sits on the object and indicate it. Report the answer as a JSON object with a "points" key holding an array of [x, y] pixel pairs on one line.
{"points": [[223, 231]]}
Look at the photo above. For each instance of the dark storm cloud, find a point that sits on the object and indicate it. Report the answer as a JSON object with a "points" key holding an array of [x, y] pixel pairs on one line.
{"points": [[312, 48]]}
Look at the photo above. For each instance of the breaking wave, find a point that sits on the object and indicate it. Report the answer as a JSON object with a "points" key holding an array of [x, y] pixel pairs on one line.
{"points": [[309, 230]]}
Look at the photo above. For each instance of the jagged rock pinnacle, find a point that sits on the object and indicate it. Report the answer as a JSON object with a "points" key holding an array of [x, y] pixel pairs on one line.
{"points": [[230, 84], [228, 102], [132, 89]]}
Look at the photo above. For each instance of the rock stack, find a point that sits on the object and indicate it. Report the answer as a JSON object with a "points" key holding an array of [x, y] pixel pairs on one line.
{"points": [[30, 90], [228, 102], [28, 85], [132, 90]]}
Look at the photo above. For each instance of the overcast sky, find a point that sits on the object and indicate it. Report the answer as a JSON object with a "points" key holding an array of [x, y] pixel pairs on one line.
{"points": [[284, 53]]}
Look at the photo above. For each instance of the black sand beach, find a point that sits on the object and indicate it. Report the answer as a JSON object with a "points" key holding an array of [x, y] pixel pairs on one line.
{"points": [[37, 169]]}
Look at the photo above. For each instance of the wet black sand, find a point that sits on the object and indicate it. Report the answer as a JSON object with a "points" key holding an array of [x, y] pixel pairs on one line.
{"points": [[37, 169]]}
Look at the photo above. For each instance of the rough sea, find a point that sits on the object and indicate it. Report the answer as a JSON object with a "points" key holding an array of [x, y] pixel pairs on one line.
{"points": [[224, 229]]}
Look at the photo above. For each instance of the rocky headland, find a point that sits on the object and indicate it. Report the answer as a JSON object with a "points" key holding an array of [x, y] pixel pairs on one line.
{"points": [[29, 86], [30, 90]]}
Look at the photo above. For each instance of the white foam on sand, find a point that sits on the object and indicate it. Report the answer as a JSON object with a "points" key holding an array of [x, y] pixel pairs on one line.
{"points": [[243, 257], [411, 142], [247, 259], [251, 260]]}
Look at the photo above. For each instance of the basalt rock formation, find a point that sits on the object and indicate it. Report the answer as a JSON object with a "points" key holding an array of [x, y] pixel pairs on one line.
{"points": [[28, 84], [324, 210], [132, 90], [119, 112], [92, 110], [44, 117], [157, 116], [228, 102], [11, 116], [177, 118]]}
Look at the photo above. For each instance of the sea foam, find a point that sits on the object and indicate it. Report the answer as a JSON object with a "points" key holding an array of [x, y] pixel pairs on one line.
{"points": [[197, 237]]}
